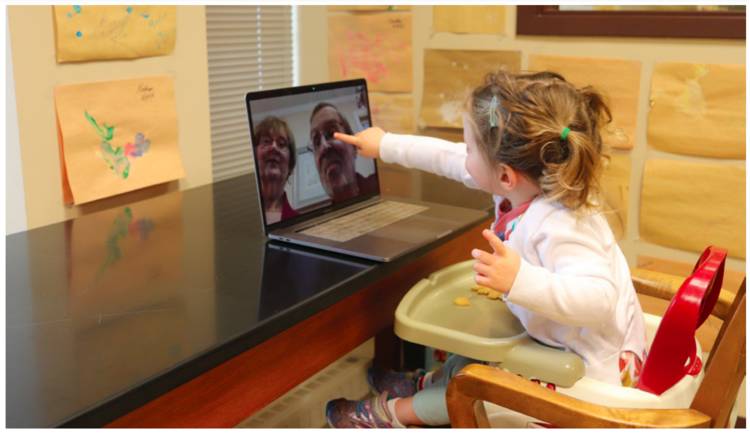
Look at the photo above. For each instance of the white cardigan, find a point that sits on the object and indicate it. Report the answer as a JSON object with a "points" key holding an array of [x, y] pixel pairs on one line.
{"points": [[573, 288]]}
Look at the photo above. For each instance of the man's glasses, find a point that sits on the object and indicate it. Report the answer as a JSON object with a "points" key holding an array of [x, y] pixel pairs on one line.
{"points": [[325, 132]]}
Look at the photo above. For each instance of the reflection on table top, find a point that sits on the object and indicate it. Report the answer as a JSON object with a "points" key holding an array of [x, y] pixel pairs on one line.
{"points": [[111, 307]]}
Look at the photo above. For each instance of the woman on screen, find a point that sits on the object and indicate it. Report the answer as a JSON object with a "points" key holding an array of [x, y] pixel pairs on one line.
{"points": [[277, 156]]}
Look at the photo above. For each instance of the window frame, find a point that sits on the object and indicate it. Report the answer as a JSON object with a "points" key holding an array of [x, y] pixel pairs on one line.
{"points": [[551, 21]]}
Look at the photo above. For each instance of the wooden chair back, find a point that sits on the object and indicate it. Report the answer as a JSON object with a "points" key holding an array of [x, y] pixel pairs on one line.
{"points": [[725, 367]]}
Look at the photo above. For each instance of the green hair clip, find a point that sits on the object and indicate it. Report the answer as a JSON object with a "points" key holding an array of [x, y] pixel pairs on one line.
{"points": [[493, 112], [564, 133]]}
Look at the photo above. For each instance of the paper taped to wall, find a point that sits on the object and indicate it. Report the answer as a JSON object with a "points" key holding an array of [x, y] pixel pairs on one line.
{"points": [[117, 136]]}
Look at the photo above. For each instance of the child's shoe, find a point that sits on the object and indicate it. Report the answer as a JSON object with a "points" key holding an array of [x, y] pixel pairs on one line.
{"points": [[369, 413], [396, 383]]}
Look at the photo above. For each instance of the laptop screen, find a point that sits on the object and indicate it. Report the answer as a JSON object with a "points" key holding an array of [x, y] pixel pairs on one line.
{"points": [[300, 168]]}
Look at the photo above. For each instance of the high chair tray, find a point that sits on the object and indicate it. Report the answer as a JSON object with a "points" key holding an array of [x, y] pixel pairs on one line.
{"points": [[485, 330]]}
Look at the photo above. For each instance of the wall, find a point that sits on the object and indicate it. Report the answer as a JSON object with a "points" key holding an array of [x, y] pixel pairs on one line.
{"points": [[36, 75], [313, 68], [15, 204], [312, 44]]}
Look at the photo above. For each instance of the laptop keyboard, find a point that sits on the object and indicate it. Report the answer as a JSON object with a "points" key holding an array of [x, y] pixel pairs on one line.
{"points": [[364, 221]]}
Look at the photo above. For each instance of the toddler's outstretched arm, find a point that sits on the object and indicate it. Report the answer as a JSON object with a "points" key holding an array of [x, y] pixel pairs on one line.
{"points": [[433, 155], [367, 141]]}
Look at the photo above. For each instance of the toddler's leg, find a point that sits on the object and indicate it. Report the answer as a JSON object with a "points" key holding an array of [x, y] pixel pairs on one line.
{"points": [[406, 384], [428, 407], [452, 366]]}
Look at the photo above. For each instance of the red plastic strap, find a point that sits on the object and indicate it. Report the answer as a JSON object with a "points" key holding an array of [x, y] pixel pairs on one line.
{"points": [[673, 352]]}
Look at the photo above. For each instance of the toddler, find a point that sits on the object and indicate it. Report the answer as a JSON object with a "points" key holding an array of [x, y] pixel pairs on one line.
{"points": [[534, 142]]}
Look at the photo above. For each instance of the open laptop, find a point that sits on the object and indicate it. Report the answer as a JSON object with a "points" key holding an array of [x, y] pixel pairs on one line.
{"points": [[316, 191]]}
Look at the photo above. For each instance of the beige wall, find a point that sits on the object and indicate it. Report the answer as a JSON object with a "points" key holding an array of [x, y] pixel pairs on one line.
{"points": [[313, 68], [36, 74]]}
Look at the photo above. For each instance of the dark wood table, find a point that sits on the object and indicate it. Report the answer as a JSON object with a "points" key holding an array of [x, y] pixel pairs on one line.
{"points": [[176, 311]]}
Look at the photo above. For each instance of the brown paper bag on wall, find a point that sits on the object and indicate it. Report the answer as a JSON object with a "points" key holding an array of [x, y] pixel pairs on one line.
{"points": [[615, 184], [113, 32], [690, 205], [451, 75], [117, 136], [618, 80], [698, 109], [469, 19], [393, 112], [374, 46]]}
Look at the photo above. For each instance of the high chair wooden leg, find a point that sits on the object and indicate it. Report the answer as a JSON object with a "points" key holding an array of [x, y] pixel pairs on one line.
{"points": [[465, 411]]}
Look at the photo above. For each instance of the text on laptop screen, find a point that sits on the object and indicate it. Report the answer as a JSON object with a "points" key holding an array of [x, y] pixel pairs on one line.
{"points": [[300, 166]]}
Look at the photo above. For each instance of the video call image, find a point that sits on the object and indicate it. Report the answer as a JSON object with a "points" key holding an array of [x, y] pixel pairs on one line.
{"points": [[301, 166]]}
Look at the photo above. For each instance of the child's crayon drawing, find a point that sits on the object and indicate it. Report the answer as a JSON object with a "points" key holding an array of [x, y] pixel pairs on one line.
{"points": [[363, 56], [381, 54], [117, 136], [118, 157], [113, 32]]}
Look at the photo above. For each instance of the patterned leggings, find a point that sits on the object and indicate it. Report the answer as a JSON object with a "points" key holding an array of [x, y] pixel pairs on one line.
{"points": [[429, 403]]}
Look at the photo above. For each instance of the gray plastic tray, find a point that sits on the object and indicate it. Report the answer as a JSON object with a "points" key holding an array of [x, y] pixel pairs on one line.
{"points": [[485, 330]]}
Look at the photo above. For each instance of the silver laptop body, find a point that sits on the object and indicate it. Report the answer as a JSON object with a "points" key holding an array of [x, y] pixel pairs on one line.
{"points": [[351, 226]]}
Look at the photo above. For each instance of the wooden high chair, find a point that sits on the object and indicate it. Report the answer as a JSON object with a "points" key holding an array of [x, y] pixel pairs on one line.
{"points": [[711, 405]]}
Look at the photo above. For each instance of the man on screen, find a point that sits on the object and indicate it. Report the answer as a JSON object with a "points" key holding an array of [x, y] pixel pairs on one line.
{"points": [[335, 159]]}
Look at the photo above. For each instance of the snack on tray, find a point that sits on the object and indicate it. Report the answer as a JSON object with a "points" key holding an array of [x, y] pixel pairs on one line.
{"points": [[490, 293], [461, 301]]}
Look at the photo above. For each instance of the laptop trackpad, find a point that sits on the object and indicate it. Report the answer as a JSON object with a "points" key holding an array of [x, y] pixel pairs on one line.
{"points": [[416, 229]]}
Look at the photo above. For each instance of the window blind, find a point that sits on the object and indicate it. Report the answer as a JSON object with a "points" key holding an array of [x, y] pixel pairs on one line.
{"points": [[249, 48]]}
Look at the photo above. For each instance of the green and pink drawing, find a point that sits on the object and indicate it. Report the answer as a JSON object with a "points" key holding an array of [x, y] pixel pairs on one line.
{"points": [[118, 158]]}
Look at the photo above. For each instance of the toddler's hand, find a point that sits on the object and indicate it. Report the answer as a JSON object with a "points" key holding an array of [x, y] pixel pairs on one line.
{"points": [[497, 271], [366, 141]]}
